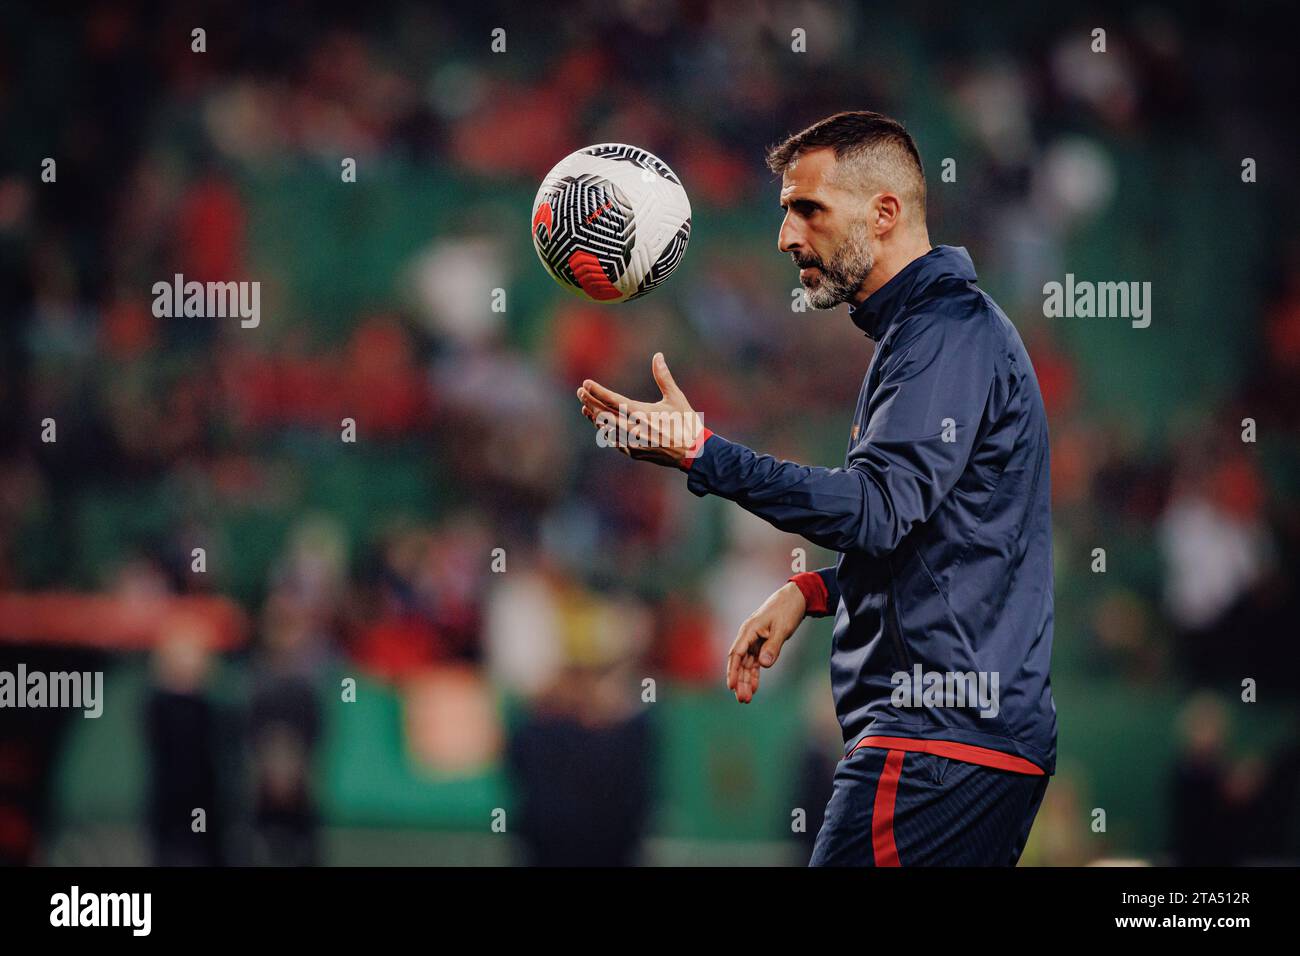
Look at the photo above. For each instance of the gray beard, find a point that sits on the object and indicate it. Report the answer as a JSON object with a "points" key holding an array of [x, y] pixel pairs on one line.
{"points": [[844, 274]]}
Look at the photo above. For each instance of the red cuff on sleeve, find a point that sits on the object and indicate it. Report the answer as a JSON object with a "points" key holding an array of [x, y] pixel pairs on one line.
{"points": [[694, 451], [814, 591]]}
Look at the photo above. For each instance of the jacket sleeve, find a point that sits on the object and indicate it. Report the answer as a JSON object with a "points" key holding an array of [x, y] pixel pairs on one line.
{"points": [[821, 591], [921, 424]]}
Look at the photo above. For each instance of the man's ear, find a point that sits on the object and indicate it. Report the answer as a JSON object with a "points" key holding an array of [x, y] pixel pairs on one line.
{"points": [[887, 211]]}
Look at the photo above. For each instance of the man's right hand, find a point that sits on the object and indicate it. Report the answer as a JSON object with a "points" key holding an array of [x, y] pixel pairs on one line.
{"points": [[758, 644]]}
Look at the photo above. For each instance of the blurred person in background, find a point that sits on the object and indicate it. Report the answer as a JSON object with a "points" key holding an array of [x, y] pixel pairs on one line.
{"points": [[1216, 550], [819, 754], [1210, 796], [299, 630], [581, 758], [580, 762], [182, 727]]}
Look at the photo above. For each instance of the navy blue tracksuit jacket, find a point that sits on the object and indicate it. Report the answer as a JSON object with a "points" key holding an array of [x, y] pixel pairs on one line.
{"points": [[941, 517]]}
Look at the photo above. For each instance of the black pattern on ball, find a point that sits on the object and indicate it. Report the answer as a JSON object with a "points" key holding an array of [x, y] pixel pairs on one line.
{"points": [[592, 214]]}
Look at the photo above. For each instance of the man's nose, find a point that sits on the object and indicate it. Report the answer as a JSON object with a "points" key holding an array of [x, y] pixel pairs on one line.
{"points": [[789, 238]]}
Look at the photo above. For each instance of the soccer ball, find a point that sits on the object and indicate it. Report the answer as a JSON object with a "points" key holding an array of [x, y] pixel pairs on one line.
{"points": [[611, 222]]}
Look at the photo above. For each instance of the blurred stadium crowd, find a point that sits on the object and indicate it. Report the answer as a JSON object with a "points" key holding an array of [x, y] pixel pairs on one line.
{"points": [[472, 560]]}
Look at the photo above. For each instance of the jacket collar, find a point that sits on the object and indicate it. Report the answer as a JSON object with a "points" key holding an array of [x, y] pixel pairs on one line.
{"points": [[878, 312]]}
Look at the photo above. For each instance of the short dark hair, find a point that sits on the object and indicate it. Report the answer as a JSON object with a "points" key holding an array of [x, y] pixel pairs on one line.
{"points": [[858, 134]]}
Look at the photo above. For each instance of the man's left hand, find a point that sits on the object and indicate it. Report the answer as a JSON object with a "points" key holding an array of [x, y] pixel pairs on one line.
{"points": [[661, 432]]}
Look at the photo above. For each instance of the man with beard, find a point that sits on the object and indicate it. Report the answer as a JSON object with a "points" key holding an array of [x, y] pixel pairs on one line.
{"points": [[940, 514]]}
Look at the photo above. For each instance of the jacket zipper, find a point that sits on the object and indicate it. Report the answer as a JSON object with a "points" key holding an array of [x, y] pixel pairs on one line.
{"points": [[892, 625]]}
